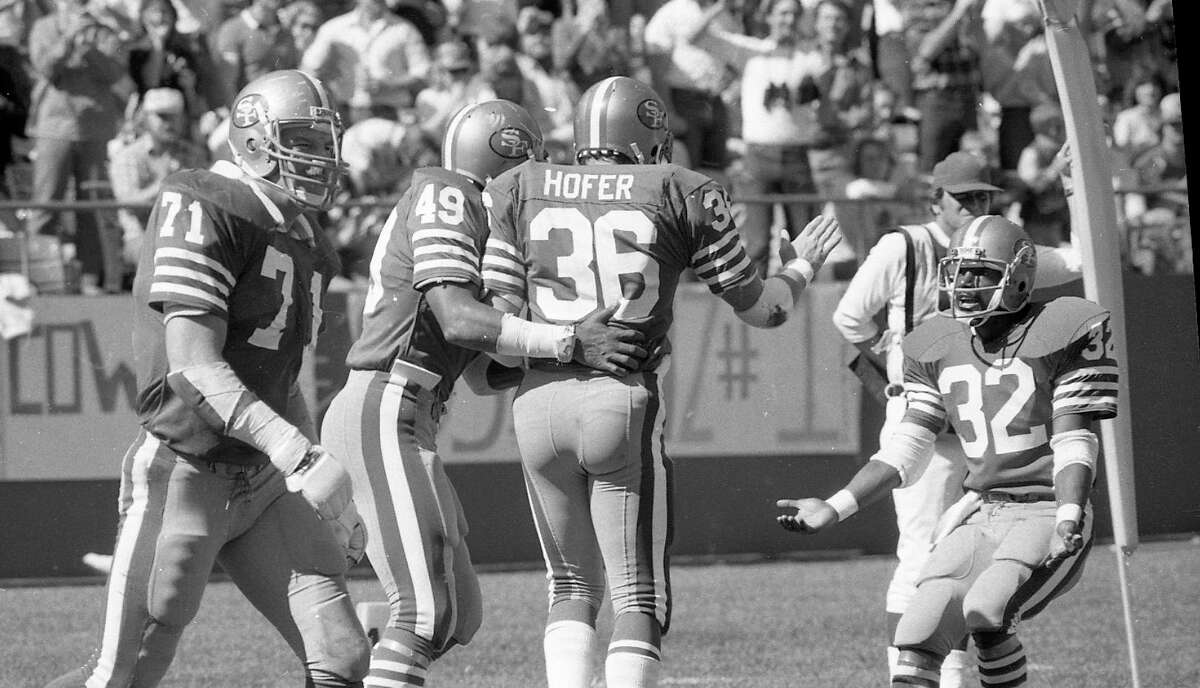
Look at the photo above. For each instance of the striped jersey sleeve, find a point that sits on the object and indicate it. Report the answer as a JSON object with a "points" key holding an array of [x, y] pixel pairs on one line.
{"points": [[503, 264], [718, 257], [443, 224], [195, 259], [924, 401], [1087, 376]]}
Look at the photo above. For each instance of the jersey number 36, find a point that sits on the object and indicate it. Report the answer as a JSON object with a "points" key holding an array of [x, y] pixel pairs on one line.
{"points": [[595, 259]]}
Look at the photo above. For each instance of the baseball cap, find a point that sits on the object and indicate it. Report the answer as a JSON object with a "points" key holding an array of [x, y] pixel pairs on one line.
{"points": [[961, 172], [1171, 109], [164, 100]]}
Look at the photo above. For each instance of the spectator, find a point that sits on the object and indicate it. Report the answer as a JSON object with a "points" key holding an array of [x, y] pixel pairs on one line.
{"points": [[1016, 72], [786, 91], [556, 91], [844, 110], [691, 78], [1161, 169], [368, 56], [302, 18], [943, 43], [1137, 126], [166, 58], [254, 42], [16, 81], [502, 78], [80, 60], [454, 83], [381, 155], [589, 47], [137, 167], [1044, 211], [896, 191]]}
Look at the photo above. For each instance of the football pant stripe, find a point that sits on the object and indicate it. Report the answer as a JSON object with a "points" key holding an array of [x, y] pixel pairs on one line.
{"points": [[400, 479], [658, 527], [126, 616], [1046, 584]]}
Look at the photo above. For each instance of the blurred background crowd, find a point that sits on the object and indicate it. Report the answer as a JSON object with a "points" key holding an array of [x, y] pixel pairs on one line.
{"points": [[844, 105]]}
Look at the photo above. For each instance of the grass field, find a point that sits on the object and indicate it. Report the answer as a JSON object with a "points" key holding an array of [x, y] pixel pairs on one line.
{"points": [[794, 623]]}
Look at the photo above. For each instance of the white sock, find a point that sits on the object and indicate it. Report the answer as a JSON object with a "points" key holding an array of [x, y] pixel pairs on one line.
{"points": [[956, 669], [893, 654], [568, 649], [636, 669]]}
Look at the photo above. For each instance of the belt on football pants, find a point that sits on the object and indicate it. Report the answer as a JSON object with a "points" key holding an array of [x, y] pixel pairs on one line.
{"points": [[426, 379], [995, 497]]}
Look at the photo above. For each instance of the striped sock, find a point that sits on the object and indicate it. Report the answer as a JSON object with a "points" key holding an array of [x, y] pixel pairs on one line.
{"points": [[567, 646], [632, 664], [1001, 659], [400, 660], [916, 668]]}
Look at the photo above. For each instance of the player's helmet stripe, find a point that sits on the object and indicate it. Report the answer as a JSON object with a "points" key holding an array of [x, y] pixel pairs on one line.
{"points": [[597, 111], [456, 122], [971, 235]]}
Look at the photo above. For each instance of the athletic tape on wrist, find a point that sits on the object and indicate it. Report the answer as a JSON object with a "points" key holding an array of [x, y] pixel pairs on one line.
{"points": [[519, 337], [230, 408], [1068, 512], [844, 503], [804, 268]]}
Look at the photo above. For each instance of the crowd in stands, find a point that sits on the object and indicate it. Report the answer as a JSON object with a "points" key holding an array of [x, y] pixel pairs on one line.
{"points": [[851, 101]]}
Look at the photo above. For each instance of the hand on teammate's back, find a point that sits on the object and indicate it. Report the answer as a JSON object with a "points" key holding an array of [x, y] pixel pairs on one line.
{"points": [[817, 240], [615, 349]]}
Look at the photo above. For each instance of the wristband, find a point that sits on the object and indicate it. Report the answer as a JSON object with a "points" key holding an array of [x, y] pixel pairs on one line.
{"points": [[1069, 512], [802, 266], [844, 503]]}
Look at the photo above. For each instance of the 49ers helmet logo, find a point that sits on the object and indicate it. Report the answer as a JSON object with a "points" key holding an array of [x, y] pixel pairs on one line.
{"points": [[652, 114], [249, 111], [511, 143]]}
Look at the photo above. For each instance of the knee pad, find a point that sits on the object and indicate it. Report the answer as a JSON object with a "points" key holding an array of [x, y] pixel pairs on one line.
{"points": [[986, 604]]}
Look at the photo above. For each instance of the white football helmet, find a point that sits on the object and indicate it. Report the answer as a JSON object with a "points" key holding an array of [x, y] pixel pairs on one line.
{"points": [[272, 104]]}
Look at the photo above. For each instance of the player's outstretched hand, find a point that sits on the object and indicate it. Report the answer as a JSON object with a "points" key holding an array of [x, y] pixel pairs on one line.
{"points": [[351, 533], [322, 480], [1065, 541], [817, 240], [615, 349], [811, 515]]}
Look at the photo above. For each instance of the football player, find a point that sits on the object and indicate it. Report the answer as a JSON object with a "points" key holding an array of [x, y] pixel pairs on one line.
{"points": [[1021, 382], [422, 301], [224, 470], [900, 274], [616, 230]]}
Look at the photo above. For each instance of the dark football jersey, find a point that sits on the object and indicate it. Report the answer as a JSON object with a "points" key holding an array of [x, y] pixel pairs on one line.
{"points": [[1001, 399], [569, 240], [435, 234], [214, 243]]}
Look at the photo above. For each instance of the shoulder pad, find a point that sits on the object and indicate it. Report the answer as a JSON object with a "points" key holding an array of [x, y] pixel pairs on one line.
{"points": [[1059, 322], [222, 194], [930, 340], [686, 180]]}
